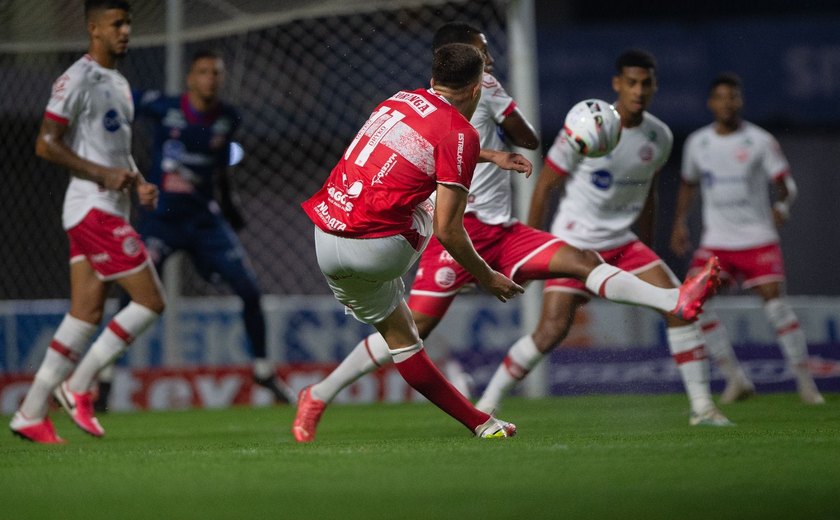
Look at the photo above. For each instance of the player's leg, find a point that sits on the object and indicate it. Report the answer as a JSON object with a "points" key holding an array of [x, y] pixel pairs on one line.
{"points": [[791, 339], [417, 369], [738, 385], [685, 342], [66, 348], [216, 250], [147, 303], [558, 311], [615, 284], [366, 277]]}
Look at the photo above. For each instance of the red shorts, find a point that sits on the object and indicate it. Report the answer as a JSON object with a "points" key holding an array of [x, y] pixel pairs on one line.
{"points": [[109, 243], [633, 257], [517, 251], [753, 267]]}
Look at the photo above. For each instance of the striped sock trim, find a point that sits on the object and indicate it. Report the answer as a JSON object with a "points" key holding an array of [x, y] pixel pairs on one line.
{"points": [[121, 333], [65, 351], [515, 370], [698, 353], [370, 354]]}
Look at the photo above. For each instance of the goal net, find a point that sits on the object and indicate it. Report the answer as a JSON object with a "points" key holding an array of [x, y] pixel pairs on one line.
{"points": [[304, 74]]}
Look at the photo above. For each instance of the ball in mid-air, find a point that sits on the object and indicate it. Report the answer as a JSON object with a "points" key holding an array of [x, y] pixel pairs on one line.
{"points": [[593, 127]]}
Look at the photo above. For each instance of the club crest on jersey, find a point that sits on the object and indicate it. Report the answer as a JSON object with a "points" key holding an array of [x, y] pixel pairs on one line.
{"points": [[601, 179], [112, 120], [646, 153]]}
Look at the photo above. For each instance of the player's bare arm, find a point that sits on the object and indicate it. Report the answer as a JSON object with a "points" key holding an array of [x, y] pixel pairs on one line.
{"points": [[646, 222], [785, 193], [507, 161], [449, 230], [50, 145], [519, 131], [680, 235], [548, 183]]}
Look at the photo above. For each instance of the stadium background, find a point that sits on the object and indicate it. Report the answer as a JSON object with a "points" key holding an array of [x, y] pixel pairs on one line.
{"points": [[305, 74]]}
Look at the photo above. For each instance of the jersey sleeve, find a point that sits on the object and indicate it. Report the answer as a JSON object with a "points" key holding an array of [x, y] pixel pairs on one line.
{"points": [[562, 157], [667, 145], [68, 98], [688, 169], [456, 156], [499, 101], [774, 161]]}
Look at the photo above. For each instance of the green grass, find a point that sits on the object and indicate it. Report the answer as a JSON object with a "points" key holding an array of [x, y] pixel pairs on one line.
{"points": [[588, 457]]}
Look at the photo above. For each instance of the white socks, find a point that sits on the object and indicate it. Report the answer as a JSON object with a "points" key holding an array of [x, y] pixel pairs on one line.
{"points": [[612, 283], [791, 338], [117, 336], [521, 358], [719, 346], [368, 355], [66, 348], [686, 345]]}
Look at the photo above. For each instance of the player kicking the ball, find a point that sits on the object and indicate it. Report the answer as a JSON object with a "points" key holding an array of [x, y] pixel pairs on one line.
{"points": [[519, 251]]}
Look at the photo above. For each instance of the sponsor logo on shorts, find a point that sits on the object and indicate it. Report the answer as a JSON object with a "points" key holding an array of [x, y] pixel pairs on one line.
{"points": [[123, 231], [131, 246], [100, 258], [445, 277], [445, 257]]}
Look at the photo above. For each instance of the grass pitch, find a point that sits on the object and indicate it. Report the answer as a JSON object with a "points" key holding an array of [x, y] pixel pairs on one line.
{"points": [[598, 457]]}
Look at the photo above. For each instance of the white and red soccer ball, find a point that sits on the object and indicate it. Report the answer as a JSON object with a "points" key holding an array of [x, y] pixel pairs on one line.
{"points": [[593, 127]]}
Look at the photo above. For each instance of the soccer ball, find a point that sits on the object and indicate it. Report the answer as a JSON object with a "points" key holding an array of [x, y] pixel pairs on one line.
{"points": [[593, 127]]}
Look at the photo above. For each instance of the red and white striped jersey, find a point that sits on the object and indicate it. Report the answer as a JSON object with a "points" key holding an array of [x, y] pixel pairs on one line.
{"points": [[412, 141], [95, 103]]}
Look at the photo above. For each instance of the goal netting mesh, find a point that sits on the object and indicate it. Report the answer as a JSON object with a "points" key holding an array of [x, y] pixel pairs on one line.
{"points": [[304, 73]]}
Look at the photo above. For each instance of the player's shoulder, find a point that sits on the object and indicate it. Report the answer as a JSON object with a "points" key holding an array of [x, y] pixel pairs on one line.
{"points": [[83, 70], [654, 124], [704, 132], [756, 132], [490, 82]]}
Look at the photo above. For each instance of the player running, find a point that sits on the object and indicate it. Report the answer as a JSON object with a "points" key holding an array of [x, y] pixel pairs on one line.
{"points": [[87, 129], [519, 251], [734, 162]]}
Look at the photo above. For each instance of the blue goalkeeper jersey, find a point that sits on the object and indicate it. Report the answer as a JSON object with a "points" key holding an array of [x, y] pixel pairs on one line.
{"points": [[189, 149]]}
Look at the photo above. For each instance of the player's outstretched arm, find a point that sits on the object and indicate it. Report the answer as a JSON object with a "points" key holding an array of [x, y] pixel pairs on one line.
{"points": [[50, 145], [449, 230], [507, 160], [680, 235]]}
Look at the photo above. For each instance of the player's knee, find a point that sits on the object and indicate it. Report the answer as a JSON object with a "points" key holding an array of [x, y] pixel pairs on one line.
{"points": [[550, 334]]}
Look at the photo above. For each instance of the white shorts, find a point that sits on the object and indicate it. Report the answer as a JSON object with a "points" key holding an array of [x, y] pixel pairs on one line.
{"points": [[365, 274]]}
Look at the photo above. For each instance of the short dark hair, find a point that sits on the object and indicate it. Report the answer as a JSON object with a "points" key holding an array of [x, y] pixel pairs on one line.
{"points": [[457, 65], [204, 54], [99, 5], [726, 78], [454, 32], [635, 58]]}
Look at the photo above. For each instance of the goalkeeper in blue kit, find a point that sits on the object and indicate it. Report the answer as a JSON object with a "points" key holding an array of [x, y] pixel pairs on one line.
{"points": [[190, 158]]}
